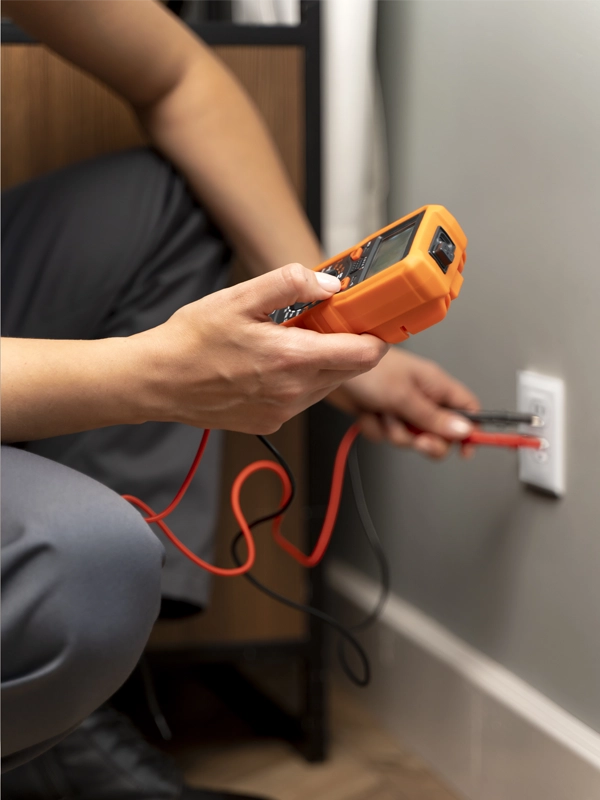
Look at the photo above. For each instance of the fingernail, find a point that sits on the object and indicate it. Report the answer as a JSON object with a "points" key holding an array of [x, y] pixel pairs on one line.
{"points": [[328, 282], [459, 427]]}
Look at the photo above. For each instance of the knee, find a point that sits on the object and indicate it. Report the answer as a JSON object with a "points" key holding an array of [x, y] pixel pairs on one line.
{"points": [[99, 599], [106, 600], [110, 587], [81, 591]]}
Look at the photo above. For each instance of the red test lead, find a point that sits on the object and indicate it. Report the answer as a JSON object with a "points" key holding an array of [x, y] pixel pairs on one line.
{"points": [[485, 438], [310, 560], [476, 437], [511, 440]]}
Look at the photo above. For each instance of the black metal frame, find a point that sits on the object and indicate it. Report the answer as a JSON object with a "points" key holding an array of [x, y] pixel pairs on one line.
{"points": [[308, 731]]}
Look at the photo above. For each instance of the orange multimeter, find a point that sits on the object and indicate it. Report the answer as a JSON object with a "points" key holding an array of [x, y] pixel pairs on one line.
{"points": [[396, 282]]}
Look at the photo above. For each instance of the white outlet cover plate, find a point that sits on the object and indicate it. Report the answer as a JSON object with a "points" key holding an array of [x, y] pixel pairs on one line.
{"points": [[545, 397]]}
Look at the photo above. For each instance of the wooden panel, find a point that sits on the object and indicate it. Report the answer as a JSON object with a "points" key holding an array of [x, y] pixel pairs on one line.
{"points": [[53, 115]]}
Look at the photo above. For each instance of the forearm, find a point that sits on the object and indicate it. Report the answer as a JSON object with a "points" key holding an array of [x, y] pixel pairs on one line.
{"points": [[195, 112], [54, 387], [212, 132], [216, 363]]}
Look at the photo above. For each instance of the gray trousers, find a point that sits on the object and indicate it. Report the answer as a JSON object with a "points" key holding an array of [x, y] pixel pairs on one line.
{"points": [[109, 247]]}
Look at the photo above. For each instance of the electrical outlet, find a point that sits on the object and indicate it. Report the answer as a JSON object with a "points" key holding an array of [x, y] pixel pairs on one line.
{"points": [[544, 397]]}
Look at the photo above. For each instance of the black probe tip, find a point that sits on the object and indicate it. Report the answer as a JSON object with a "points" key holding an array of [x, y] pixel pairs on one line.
{"points": [[502, 418]]}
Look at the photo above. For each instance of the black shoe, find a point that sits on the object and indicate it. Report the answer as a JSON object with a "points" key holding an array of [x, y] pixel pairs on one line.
{"points": [[105, 758]]}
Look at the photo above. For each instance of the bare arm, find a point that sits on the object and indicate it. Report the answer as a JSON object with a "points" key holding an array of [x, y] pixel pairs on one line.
{"points": [[53, 387], [195, 112], [202, 120], [216, 363]]}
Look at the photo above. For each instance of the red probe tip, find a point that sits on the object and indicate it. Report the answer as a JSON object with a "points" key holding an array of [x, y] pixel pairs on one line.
{"points": [[511, 440]]}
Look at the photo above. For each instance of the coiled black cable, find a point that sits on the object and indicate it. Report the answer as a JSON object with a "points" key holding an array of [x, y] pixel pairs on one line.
{"points": [[376, 546], [346, 633]]}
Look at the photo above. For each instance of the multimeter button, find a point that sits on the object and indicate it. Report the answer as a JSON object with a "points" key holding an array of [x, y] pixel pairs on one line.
{"points": [[345, 283], [330, 270], [444, 252], [356, 254]]}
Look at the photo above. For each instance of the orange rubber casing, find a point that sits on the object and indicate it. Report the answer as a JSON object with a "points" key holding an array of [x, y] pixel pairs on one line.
{"points": [[404, 298]]}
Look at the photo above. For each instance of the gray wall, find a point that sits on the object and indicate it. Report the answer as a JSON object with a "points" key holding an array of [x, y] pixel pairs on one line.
{"points": [[494, 111]]}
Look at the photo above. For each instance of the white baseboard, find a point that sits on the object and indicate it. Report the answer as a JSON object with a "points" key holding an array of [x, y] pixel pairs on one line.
{"points": [[486, 732]]}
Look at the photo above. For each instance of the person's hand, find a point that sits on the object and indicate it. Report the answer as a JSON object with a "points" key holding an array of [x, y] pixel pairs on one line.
{"points": [[222, 363], [404, 388]]}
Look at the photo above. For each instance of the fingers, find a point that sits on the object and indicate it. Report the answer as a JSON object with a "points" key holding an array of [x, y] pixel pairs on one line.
{"points": [[286, 286], [379, 428], [457, 395], [432, 446], [396, 432], [443, 388], [429, 417], [372, 427], [405, 402], [426, 404], [425, 443], [338, 351], [331, 379], [291, 284]]}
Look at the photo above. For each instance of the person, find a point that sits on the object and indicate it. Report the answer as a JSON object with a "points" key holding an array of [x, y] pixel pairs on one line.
{"points": [[119, 339]]}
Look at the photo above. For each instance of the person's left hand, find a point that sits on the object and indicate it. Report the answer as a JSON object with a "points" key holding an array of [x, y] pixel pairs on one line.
{"points": [[404, 388]]}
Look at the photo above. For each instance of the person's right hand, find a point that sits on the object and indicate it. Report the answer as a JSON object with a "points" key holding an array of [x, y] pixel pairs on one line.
{"points": [[222, 363]]}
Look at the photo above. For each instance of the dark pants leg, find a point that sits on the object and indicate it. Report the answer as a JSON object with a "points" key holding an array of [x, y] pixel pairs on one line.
{"points": [[105, 248], [112, 247]]}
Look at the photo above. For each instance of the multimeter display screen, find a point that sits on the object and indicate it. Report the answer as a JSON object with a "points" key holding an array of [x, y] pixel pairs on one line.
{"points": [[391, 250]]}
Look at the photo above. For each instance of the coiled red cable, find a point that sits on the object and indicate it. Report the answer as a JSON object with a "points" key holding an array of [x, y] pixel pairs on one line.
{"points": [[158, 519], [335, 494], [306, 561], [337, 481]]}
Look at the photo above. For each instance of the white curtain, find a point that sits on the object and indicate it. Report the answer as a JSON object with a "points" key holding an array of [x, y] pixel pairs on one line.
{"points": [[266, 12], [354, 154]]}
